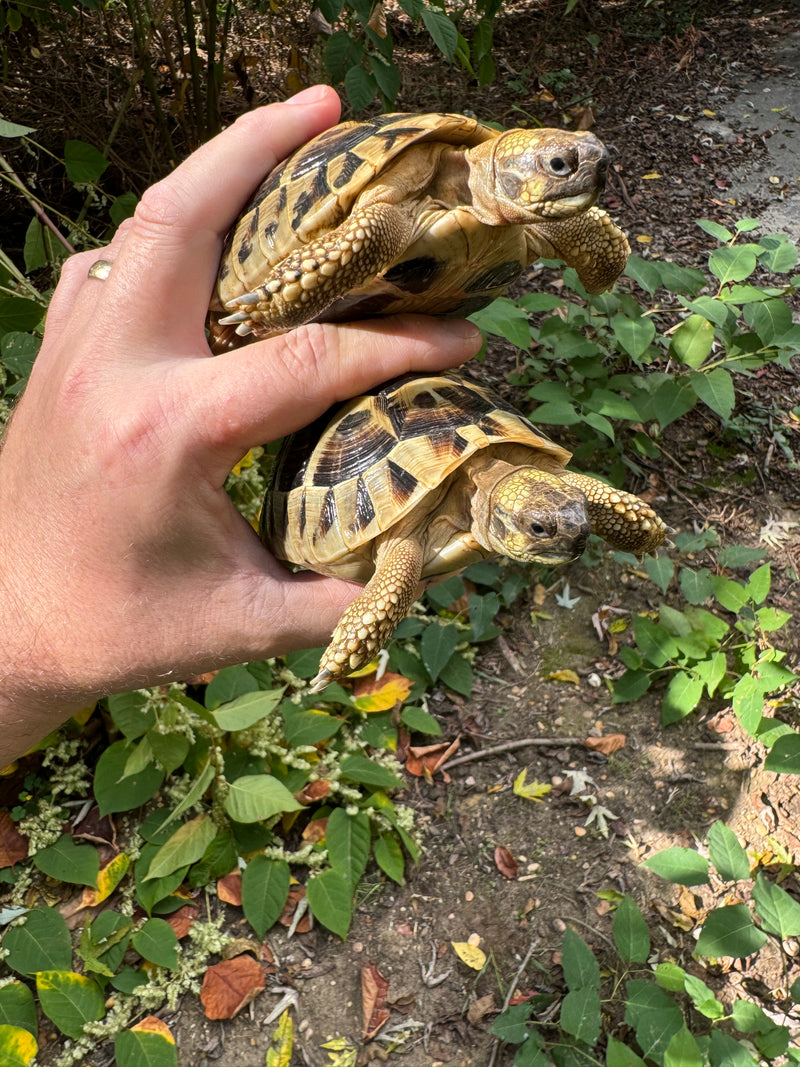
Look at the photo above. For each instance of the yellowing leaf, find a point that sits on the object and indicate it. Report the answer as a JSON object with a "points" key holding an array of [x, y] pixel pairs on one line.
{"points": [[563, 676], [709, 114], [473, 956], [618, 626], [107, 881], [245, 462], [534, 791], [82, 717], [152, 1025], [643, 238], [279, 1053], [651, 176], [17, 1046], [372, 695]]}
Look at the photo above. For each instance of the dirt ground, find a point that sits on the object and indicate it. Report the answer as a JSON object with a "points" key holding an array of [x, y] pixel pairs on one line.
{"points": [[707, 109]]}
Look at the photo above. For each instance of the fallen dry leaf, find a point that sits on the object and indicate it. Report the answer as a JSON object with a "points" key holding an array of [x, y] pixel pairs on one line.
{"points": [[470, 954], [565, 675], [315, 831], [13, 846], [286, 918], [313, 791], [230, 986], [152, 1025], [380, 695], [374, 988], [239, 946], [607, 744], [182, 919], [505, 862], [480, 1008], [424, 760], [229, 888]]}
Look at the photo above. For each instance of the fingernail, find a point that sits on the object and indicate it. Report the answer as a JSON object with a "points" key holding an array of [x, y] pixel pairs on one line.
{"points": [[313, 95], [461, 330]]}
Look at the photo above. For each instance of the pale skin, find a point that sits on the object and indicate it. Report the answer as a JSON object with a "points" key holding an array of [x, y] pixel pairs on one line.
{"points": [[122, 561]]}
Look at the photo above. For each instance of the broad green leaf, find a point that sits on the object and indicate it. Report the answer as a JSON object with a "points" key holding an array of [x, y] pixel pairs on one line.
{"points": [[265, 887], [558, 413], [634, 335], [169, 750], [115, 793], [248, 709], [681, 865], [360, 88], [150, 893], [233, 682], [511, 1025], [730, 931], [703, 998], [255, 797], [385, 74], [670, 401], [726, 1051], [771, 619], [67, 861], [660, 570], [70, 1000], [341, 51], [748, 702], [721, 233], [619, 1055], [654, 642], [691, 342], [18, 313], [18, 1046], [184, 847], [17, 1008], [156, 941], [442, 30], [726, 854], [580, 1014], [654, 1015], [715, 389], [457, 675], [670, 977], [780, 259], [631, 685], [19, 351], [770, 319], [105, 942], [750, 1019], [505, 319], [364, 771], [420, 720], [731, 594], [330, 900], [580, 966], [42, 943], [389, 857], [307, 727], [778, 911], [198, 787], [14, 129], [132, 713], [681, 697], [711, 671], [140, 1048], [758, 584], [644, 272], [123, 207], [437, 645], [696, 585], [732, 263], [83, 162], [347, 839], [631, 934], [784, 756], [682, 1050]]}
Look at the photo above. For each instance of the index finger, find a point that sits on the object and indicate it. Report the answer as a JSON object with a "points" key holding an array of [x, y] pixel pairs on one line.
{"points": [[169, 257]]}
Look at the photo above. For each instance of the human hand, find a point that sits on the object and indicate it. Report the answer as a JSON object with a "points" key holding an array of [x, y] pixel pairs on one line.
{"points": [[123, 562]]}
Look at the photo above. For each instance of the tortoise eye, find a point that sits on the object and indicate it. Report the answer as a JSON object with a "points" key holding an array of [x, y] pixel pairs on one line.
{"points": [[559, 166], [538, 529]]}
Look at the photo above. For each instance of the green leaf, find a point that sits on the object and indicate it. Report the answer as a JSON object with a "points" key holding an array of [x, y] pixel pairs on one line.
{"points": [[437, 645], [633, 335], [682, 1050], [631, 934], [748, 702], [157, 943], [112, 791], [67, 862], [770, 320], [631, 685], [580, 1014], [654, 1015], [184, 847], [150, 893], [123, 207], [83, 162], [347, 839], [681, 865], [670, 977], [144, 1048], [18, 1047], [198, 787], [703, 998], [457, 675], [644, 272], [505, 319], [307, 727], [670, 401], [233, 682], [132, 713], [169, 750], [681, 697], [14, 129], [660, 570], [696, 585], [42, 943], [729, 931], [265, 888], [779, 913], [732, 263], [420, 720], [17, 1008], [389, 857], [654, 642], [758, 584], [619, 1055], [715, 389], [730, 594], [19, 351], [360, 88], [721, 233], [258, 796], [355, 768], [18, 313], [581, 969], [330, 899], [784, 756], [511, 1025], [726, 854], [691, 342], [70, 1000], [247, 709], [442, 30], [726, 1051]]}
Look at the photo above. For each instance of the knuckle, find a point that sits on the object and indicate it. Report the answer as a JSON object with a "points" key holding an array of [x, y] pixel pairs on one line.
{"points": [[157, 210]]}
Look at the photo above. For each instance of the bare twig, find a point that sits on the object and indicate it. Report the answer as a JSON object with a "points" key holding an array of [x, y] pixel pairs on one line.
{"points": [[511, 990], [41, 214], [510, 746]]}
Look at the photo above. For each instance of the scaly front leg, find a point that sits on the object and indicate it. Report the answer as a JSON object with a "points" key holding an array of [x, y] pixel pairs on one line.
{"points": [[371, 619], [620, 518]]}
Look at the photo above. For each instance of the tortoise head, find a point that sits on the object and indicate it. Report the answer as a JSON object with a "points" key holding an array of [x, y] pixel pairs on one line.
{"points": [[537, 517], [539, 174]]}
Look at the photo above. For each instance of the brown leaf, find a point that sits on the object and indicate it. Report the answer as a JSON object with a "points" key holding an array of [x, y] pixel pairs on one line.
{"points": [[480, 1008], [424, 760], [607, 744], [374, 988], [230, 986], [380, 695], [182, 919], [286, 918], [313, 791], [153, 1025], [505, 862], [96, 827], [315, 831], [239, 946], [13, 846], [229, 888]]}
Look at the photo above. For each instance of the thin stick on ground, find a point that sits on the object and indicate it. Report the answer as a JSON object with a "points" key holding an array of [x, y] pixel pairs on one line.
{"points": [[510, 746], [511, 990]]}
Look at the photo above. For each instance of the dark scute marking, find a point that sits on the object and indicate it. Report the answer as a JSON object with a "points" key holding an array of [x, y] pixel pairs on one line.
{"points": [[356, 444], [499, 276], [319, 188], [402, 482], [444, 442], [225, 269], [327, 516], [246, 246], [334, 142], [396, 133], [491, 427], [302, 529], [282, 200], [294, 455], [269, 232], [349, 164], [267, 187], [365, 512], [415, 275]]}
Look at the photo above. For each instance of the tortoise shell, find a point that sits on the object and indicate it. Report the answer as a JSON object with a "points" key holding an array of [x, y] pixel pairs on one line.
{"points": [[363, 468]]}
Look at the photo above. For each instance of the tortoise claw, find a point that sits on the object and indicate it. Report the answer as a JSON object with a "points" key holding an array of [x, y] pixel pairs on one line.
{"points": [[323, 679], [236, 317]]}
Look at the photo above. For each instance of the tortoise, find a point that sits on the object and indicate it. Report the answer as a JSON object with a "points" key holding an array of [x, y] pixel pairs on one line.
{"points": [[434, 213], [419, 478]]}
